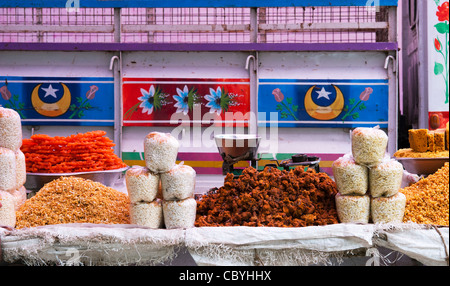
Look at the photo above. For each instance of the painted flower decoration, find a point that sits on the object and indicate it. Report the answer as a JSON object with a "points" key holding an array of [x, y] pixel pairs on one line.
{"points": [[442, 12], [437, 45], [215, 99], [6, 94], [182, 100], [365, 95], [147, 100], [90, 94], [279, 96]]}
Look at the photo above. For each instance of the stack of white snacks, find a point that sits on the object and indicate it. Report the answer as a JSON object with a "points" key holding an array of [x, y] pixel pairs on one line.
{"points": [[174, 206], [369, 182], [142, 186], [12, 166]]}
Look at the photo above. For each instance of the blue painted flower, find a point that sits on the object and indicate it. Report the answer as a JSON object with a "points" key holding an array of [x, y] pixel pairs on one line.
{"points": [[182, 100], [214, 100], [147, 99]]}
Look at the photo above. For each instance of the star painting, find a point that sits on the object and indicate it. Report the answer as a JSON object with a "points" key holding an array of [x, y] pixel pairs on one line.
{"points": [[50, 91]]}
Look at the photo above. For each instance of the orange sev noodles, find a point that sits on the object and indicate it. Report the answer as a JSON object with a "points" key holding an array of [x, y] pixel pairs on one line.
{"points": [[82, 152], [74, 200]]}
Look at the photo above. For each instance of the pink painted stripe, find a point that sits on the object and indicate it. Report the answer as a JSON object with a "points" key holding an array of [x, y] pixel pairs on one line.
{"points": [[216, 156], [199, 156]]}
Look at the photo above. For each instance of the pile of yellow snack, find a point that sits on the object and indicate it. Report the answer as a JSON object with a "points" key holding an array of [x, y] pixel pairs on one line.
{"points": [[426, 143]]}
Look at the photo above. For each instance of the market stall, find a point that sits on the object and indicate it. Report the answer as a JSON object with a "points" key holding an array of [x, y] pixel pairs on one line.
{"points": [[131, 131]]}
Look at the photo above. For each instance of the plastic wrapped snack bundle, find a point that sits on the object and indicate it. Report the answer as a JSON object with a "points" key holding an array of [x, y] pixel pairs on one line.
{"points": [[7, 210], [385, 179], [20, 196], [178, 183], [353, 209], [10, 129], [149, 214], [7, 169], [368, 145], [21, 173], [160, 151], [388, 210], [142, 184], [350, 177], [180, 213]]}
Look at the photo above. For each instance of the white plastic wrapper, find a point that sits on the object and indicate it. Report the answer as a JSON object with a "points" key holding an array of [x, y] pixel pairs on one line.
{"points": [[368, 145], [149, 214], [10, 129], [142, 184], [21, 173], [353, 208], [350, 177], [7, 210], [20, 196], [7, 169], [160, 151], [178, 183], [388, 210], [385, 179], [179, 213]]}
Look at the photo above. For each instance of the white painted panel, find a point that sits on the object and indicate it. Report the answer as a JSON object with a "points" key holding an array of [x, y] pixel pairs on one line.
{"points": [[49, 63], [185, 64], [322, 65], [308, 141]]}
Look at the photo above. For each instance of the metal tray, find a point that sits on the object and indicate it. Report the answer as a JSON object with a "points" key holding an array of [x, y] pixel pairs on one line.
{"points": [[422, 166], [35, 181]]}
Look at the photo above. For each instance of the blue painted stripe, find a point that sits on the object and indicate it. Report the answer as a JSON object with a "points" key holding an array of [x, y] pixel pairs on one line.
{"points": [[190, 3]]}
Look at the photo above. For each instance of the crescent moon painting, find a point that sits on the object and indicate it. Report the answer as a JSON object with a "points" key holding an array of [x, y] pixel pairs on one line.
{"points": [[324, 112], [53, 107]]}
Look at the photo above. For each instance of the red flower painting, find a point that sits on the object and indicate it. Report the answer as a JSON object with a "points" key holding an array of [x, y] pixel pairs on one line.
{"points": [[437, 44], [442, 12], [441, 44]]}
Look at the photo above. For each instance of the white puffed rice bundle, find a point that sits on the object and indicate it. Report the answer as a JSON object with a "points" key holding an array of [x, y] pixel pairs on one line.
{"points": [[21, 169], [142, 184], [7, 209], [388, 209], [20, 196], [149, 214], [368, 145], [350, 177], [10, 129], [160, 151], [7, 169], [385, 179], [178, 183], [353, 208], [180, 213]]}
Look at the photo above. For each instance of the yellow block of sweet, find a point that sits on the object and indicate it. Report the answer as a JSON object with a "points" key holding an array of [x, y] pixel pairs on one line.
{"points": [[439, 141], [418, 139], [430, 139]]}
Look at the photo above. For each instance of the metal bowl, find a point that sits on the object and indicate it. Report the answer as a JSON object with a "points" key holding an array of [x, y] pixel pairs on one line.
{"points": [[242, 146], [35, 181], [422, 166]]}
